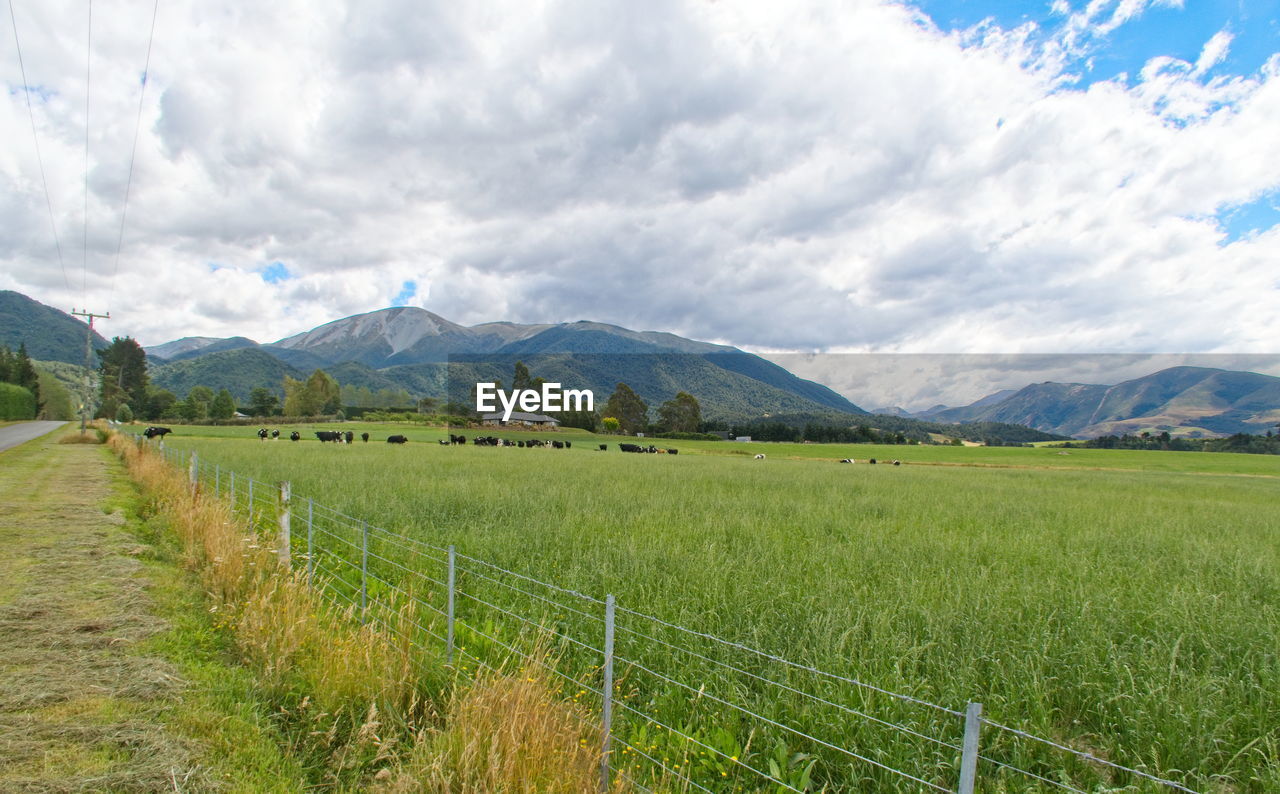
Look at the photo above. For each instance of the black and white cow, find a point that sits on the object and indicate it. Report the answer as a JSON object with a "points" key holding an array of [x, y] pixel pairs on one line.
{"points": [[295, 436], [156, 432]]}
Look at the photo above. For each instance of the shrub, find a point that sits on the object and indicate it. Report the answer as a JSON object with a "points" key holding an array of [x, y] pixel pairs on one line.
{"points": [[16, 402]]}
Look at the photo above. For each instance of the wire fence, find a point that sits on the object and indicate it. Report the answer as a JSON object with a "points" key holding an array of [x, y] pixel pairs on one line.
{"points": [[678, 709]]}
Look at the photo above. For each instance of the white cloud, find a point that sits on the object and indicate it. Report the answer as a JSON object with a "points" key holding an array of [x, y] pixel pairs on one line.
{"points": [[781, 176]]}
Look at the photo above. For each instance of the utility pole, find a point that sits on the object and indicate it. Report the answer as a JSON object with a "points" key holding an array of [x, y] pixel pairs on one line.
{"points": [[88, 358]]}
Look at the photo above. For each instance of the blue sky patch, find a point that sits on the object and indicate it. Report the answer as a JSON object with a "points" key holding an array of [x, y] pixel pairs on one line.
{"points": [[1244, 220], [1160, 30], [276, 272], [407, 290]]}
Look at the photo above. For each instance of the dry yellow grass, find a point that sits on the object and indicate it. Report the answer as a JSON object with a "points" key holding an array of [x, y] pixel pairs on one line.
{"points": [[357, 698]]}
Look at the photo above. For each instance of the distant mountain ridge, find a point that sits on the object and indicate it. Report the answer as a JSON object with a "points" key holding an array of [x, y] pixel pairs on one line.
{"points": [[426, 354], [1189, 401]]}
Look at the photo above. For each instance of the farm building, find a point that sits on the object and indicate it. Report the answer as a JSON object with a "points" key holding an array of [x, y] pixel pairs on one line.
{"points": [[520, 418]]}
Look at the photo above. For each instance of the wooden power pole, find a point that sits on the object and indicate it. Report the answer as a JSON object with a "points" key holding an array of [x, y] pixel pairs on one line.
{"points": [[88, 358]]}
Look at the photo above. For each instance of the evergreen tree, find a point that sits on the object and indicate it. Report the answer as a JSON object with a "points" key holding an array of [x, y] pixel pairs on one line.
{"points": [[23, 372], [626, 406], [123, 368], [522, 379]]}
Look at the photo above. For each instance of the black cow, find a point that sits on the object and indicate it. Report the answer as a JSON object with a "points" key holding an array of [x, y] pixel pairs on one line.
{"points": [[349, 436], [329, 435], [557, 444], [604, 447], [154, 432], [457, 439], [568, 445], [872, 461], [295, 436], [364, 437], [263, 433], [673, 452], [630, 448], [396, 439]]}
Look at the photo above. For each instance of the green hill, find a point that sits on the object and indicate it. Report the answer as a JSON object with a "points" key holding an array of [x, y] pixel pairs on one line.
{"points": [[238, 371], [49, 334]]}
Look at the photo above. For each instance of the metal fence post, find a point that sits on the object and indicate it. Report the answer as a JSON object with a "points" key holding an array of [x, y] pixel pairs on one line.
{"points": [[193, 472], [283, 515], [607, 705], [364, 567], [217, 480], [249, 503], [449, 614], [969, 750], [233, 492], [311, 554]]}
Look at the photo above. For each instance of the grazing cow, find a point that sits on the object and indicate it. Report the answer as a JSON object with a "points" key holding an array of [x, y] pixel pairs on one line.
{"points": [[349, 436], [760, 456], [604, 447], [897, 463], [153, 432], [329, 435], [558, 444], [568, 445], [847, 460], [457, 439], [263, 433], [872, 461], [673, 452], [396, 439], [364, 437], [520, 444], [275, 435], [295, 436]]}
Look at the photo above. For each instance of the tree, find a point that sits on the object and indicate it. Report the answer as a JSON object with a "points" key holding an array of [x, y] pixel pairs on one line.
{"points": [[610, 424], [124, 414], [123, 368], [522, 379], [55, 400], [196, 407], [427, 405], [223, 406], [680, 414], [626, 406], [263, 401], [160, 404], [319, 394], [23, 373]]}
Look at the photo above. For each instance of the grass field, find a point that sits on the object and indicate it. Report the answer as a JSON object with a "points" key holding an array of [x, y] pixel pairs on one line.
{"points": [[1124, 603]]}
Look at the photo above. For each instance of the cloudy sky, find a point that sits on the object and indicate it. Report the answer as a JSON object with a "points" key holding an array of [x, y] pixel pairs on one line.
{"points": [[954, 176]]}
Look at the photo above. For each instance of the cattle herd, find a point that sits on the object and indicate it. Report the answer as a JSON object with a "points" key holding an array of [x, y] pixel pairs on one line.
{"points": [[347, 437]]}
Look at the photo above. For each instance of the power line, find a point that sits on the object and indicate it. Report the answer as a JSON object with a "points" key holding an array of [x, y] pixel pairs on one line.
{"points": [[53, 225], [88, 70], [133, 152]]}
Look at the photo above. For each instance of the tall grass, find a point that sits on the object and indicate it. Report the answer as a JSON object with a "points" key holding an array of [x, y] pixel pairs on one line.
{"points": [[360, 706], [1132, 614]]}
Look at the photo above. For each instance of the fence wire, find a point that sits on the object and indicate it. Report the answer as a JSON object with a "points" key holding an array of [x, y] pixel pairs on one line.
{"points": [[701, 722]]}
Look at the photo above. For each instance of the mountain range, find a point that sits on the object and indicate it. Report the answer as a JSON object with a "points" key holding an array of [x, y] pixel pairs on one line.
{"points": [[427, 355], [1184, 401], [419, 351]]}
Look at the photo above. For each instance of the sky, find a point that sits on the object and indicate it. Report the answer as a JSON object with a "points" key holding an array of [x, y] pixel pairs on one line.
{"points": [[952, 176]]}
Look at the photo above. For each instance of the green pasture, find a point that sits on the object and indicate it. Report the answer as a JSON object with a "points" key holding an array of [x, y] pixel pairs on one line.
{"points": [[1122, 602]]}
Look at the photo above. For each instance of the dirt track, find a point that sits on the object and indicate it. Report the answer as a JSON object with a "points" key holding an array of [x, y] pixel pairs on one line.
{"points": [[78, 700]]}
